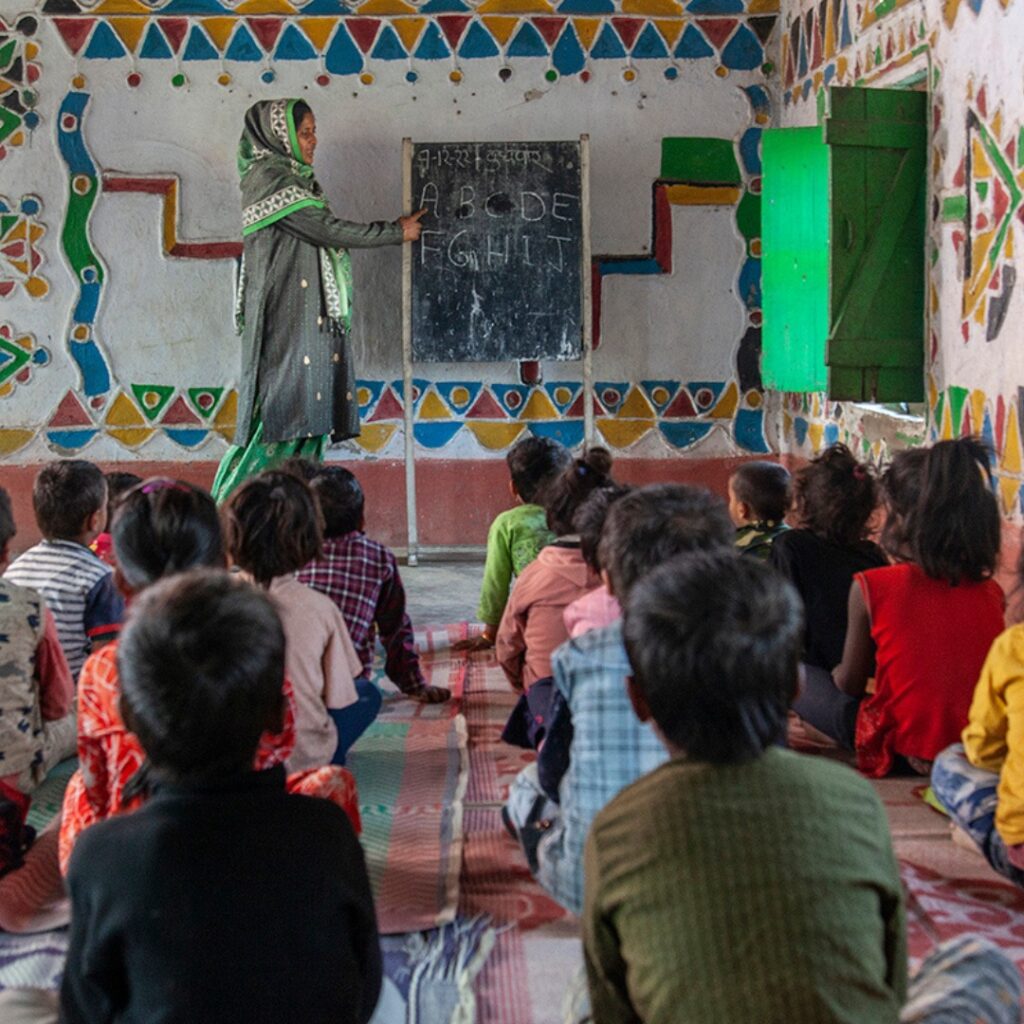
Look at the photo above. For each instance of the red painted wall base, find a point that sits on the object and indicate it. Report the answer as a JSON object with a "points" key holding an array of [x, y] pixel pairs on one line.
{"points": [[457, 499]]}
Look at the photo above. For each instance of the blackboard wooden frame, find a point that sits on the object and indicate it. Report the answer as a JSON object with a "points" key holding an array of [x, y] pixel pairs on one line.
{"points": [[414, 548]]}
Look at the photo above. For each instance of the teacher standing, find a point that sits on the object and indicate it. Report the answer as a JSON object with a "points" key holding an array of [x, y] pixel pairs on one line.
{"points": [[294, 304]]}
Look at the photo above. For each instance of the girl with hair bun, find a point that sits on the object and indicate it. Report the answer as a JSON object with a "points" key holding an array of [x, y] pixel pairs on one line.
{"points": [[835, 497], [533, 625], [922, 627]]}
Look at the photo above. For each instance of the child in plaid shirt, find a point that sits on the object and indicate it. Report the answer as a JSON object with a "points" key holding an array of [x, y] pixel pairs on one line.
{"points": [[361, 577]]}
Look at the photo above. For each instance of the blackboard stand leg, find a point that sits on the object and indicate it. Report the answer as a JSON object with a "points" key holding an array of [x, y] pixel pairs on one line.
{"points": [[408, 401], [587, 313]]}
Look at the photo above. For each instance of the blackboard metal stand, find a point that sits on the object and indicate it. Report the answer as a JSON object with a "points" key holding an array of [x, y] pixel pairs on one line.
{"points": [[415, 550]]}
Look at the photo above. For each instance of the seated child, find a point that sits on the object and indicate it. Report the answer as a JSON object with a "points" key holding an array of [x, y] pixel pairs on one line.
{"points": [[161, 528], [37, 693], [608, 747], [768, 874], [980, 780], [598, 608], [921, 628], [533, 625], [118, 483], [361, 577], [758, 503], [272, 530], [70, 502], [225, 898], [517, 535], [835, 499]]}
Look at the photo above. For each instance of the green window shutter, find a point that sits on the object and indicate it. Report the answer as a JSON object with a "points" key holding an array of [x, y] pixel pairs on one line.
{"points": [[795, 242], [877, 141], [843, 249]]}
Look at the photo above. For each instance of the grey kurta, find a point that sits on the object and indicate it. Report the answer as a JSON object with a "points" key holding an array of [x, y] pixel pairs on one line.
{"points": [[299, 374]]}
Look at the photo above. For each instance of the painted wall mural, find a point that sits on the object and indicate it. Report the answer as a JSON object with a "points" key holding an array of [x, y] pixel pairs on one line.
{"points": [[21, 255], [19, 75], [348, 39]]}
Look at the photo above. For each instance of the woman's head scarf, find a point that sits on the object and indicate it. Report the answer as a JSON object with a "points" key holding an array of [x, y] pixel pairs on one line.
{"points": [[275, 182]]}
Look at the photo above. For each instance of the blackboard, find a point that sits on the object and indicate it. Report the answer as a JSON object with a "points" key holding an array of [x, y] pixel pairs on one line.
{"points": [[497, 272]]}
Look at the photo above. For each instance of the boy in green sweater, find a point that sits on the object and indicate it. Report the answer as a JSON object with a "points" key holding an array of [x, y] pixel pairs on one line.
{"points": [[740, 881], [517, 534]]}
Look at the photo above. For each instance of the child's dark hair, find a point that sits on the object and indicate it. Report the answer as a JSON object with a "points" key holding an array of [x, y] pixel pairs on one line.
{"points": [[901, 490], [201, 667], [534, 462], [836, 496], [714, 644], [954, 529], [341, 500], [163, 527], [764, 486], [118, 483], [65, 494], [304, 469], [567, 491], [590, 519], [7, 527], [650, 525], [272, 526]]}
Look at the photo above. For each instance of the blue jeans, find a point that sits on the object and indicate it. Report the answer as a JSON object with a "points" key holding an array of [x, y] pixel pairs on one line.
{"points": [[354, 720], [969, 795]]}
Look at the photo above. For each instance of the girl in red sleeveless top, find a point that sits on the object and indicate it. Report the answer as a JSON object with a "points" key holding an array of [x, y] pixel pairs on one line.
{"points": [[923, 627]]}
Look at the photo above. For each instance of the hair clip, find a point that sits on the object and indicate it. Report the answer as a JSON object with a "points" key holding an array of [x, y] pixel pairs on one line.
{"points": [[163, 483]]}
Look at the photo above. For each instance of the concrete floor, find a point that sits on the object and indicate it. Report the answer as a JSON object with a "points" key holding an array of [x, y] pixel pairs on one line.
{"points": [[439, 593]]}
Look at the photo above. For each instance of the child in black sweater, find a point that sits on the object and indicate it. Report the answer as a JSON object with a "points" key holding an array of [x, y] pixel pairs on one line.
{"points": [[224, 898]]}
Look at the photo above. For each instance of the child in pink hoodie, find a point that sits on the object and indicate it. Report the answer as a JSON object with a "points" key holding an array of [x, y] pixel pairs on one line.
{"points": [[533, 624]]}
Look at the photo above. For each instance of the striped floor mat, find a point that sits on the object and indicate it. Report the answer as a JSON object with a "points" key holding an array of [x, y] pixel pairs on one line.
{"points": [[411, 767]]}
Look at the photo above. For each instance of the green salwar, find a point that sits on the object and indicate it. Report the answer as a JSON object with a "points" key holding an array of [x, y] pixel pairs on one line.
{"points": [[241, 462]]}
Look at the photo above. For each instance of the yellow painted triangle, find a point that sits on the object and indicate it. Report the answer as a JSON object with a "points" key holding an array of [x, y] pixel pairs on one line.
{"points": [[129, 30], [933, 393], [19, 231], [31, 51], [265, 7], [725, 407], [816, 432], [1008, 248], [432, 408], [122, 7], [623, 433], [35, 232], [997, 124], [587, 29], [386, 7], [635, 407], [1009, 491], [219, 30], [515, 7], [815, 405], [977, 401], [318, 30], [830, 32], [1011, 457], [131, 437], [21, 266], [946, 428], [670, 30], [124, 413], [763, 7], [227, 414], [375, 436], [980, 167], [409, 30], [539, 407], [650, 7]]}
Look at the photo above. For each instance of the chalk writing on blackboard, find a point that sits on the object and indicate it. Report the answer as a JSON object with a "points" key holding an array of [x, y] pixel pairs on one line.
{"points": [[496, 274]]}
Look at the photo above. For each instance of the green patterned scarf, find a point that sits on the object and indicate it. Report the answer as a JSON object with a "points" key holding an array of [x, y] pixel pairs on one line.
{"points": [[275, 182]]}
